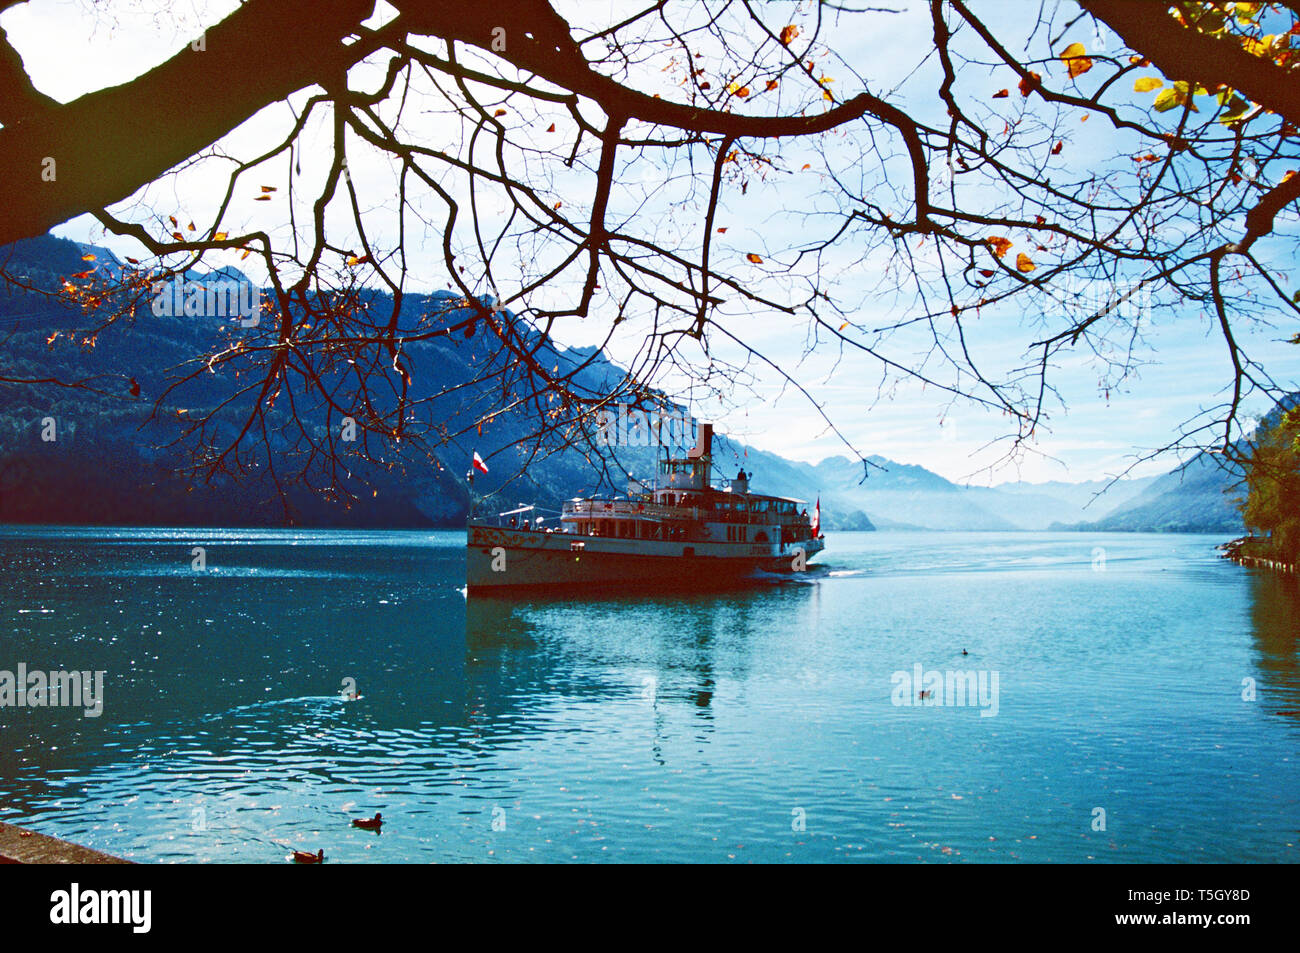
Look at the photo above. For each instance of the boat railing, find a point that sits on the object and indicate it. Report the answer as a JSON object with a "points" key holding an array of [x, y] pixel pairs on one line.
{"points": [[614, 509]]}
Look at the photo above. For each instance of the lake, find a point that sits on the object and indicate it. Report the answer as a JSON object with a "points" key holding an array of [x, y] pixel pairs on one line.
{"points": [[1124, 698]]}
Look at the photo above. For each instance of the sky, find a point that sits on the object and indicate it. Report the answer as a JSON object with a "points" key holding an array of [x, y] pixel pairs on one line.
{"points": [[70, 47]]}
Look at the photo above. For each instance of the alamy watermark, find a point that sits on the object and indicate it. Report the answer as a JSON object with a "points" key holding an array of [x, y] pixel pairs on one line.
{"points": [[61, 689], [208, 299], [622, 426], [952, 689]]}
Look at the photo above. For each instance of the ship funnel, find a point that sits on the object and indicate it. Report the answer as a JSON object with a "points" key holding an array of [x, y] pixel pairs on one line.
{"points": [[704, 445]]}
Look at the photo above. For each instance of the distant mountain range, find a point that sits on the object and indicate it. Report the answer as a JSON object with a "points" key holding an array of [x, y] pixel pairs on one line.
{"points": [[109, 465]]}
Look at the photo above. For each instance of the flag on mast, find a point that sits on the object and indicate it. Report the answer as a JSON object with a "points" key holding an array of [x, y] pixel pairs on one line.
{"points": [[479, 465], [817, 518]]}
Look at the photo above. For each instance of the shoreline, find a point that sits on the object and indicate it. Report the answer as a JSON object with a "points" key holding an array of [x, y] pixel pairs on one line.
{"points": [[1232, 550], [18, 845]]}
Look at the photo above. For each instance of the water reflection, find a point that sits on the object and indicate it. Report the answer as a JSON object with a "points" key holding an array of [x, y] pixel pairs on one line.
{"points": [[1275, 625]]}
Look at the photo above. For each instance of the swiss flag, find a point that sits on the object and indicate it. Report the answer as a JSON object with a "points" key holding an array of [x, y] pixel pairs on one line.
{"points": [[817, 519], [479, 465]]}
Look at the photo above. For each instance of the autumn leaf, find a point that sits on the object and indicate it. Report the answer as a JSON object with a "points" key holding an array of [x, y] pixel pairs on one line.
{"points": [[706, 85], [1289, 176], [499, 112], [1139, 61], [190, 226], [722, 230], [262, 198], [742, 92], [1030, 83], [172, 219], [1002, 94], [1056, 149], [247, 252], [87, 257], [754, 259], [1144, 84], [268, 188], [844, 325], [1075, 60], [557, 205], [771, 85], [999, 245], [354, 260], [134, 261], [788, 34], [178, 236], [1024, 263], [1039, 220], [986, 272], [552, 128], [806, 165], [219, 237]]}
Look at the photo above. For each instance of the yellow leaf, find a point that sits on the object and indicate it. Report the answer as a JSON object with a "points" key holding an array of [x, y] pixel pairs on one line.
{"points": [[755, 259], [1144, 84], [1024, 263], [1075, 61], [220, 237], [844, 325]]}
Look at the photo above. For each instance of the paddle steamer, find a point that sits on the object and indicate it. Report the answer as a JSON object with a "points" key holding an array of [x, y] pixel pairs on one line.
{"points": [[683, 533]]}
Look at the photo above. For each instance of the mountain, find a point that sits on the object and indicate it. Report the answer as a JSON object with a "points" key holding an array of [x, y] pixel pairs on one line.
{"points": [[109, 463]]}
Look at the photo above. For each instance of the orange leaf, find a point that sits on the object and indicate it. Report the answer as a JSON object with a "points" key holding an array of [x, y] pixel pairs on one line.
{"points": [[1002, 94], [742, 92], [844, 325], [178, 236], [1024, 263], [1030, 83], [247, 252], [552, 128], [788, 34], [190, 226], [757, 260], [771, 85], [172, 219], [354, 260], [262, 198], [557, 206], [220, 237], [1056, 149], [806, 165], [1139, 61], [723, 230], [499, 112], [1075, 61], [999, 245], [1290, 175], [268, 188], [87, 257]]}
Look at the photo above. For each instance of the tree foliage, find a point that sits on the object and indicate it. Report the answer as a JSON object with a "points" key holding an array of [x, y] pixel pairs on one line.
{"points": [[1272, 503]]}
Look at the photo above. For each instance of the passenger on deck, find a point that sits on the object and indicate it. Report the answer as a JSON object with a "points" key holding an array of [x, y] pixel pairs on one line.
{"points": [[513, 522], [526, 525]]}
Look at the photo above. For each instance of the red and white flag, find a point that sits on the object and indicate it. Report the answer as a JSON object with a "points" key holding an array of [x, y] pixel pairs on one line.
{"points": [[817, 519], [479, 465]]}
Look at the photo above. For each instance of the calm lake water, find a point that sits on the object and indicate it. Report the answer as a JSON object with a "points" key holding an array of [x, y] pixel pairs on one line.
{"points": [[752, 725]]}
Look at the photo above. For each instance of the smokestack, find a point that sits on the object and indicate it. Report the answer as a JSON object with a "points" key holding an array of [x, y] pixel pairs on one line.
{"points": [[704, 445]]}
